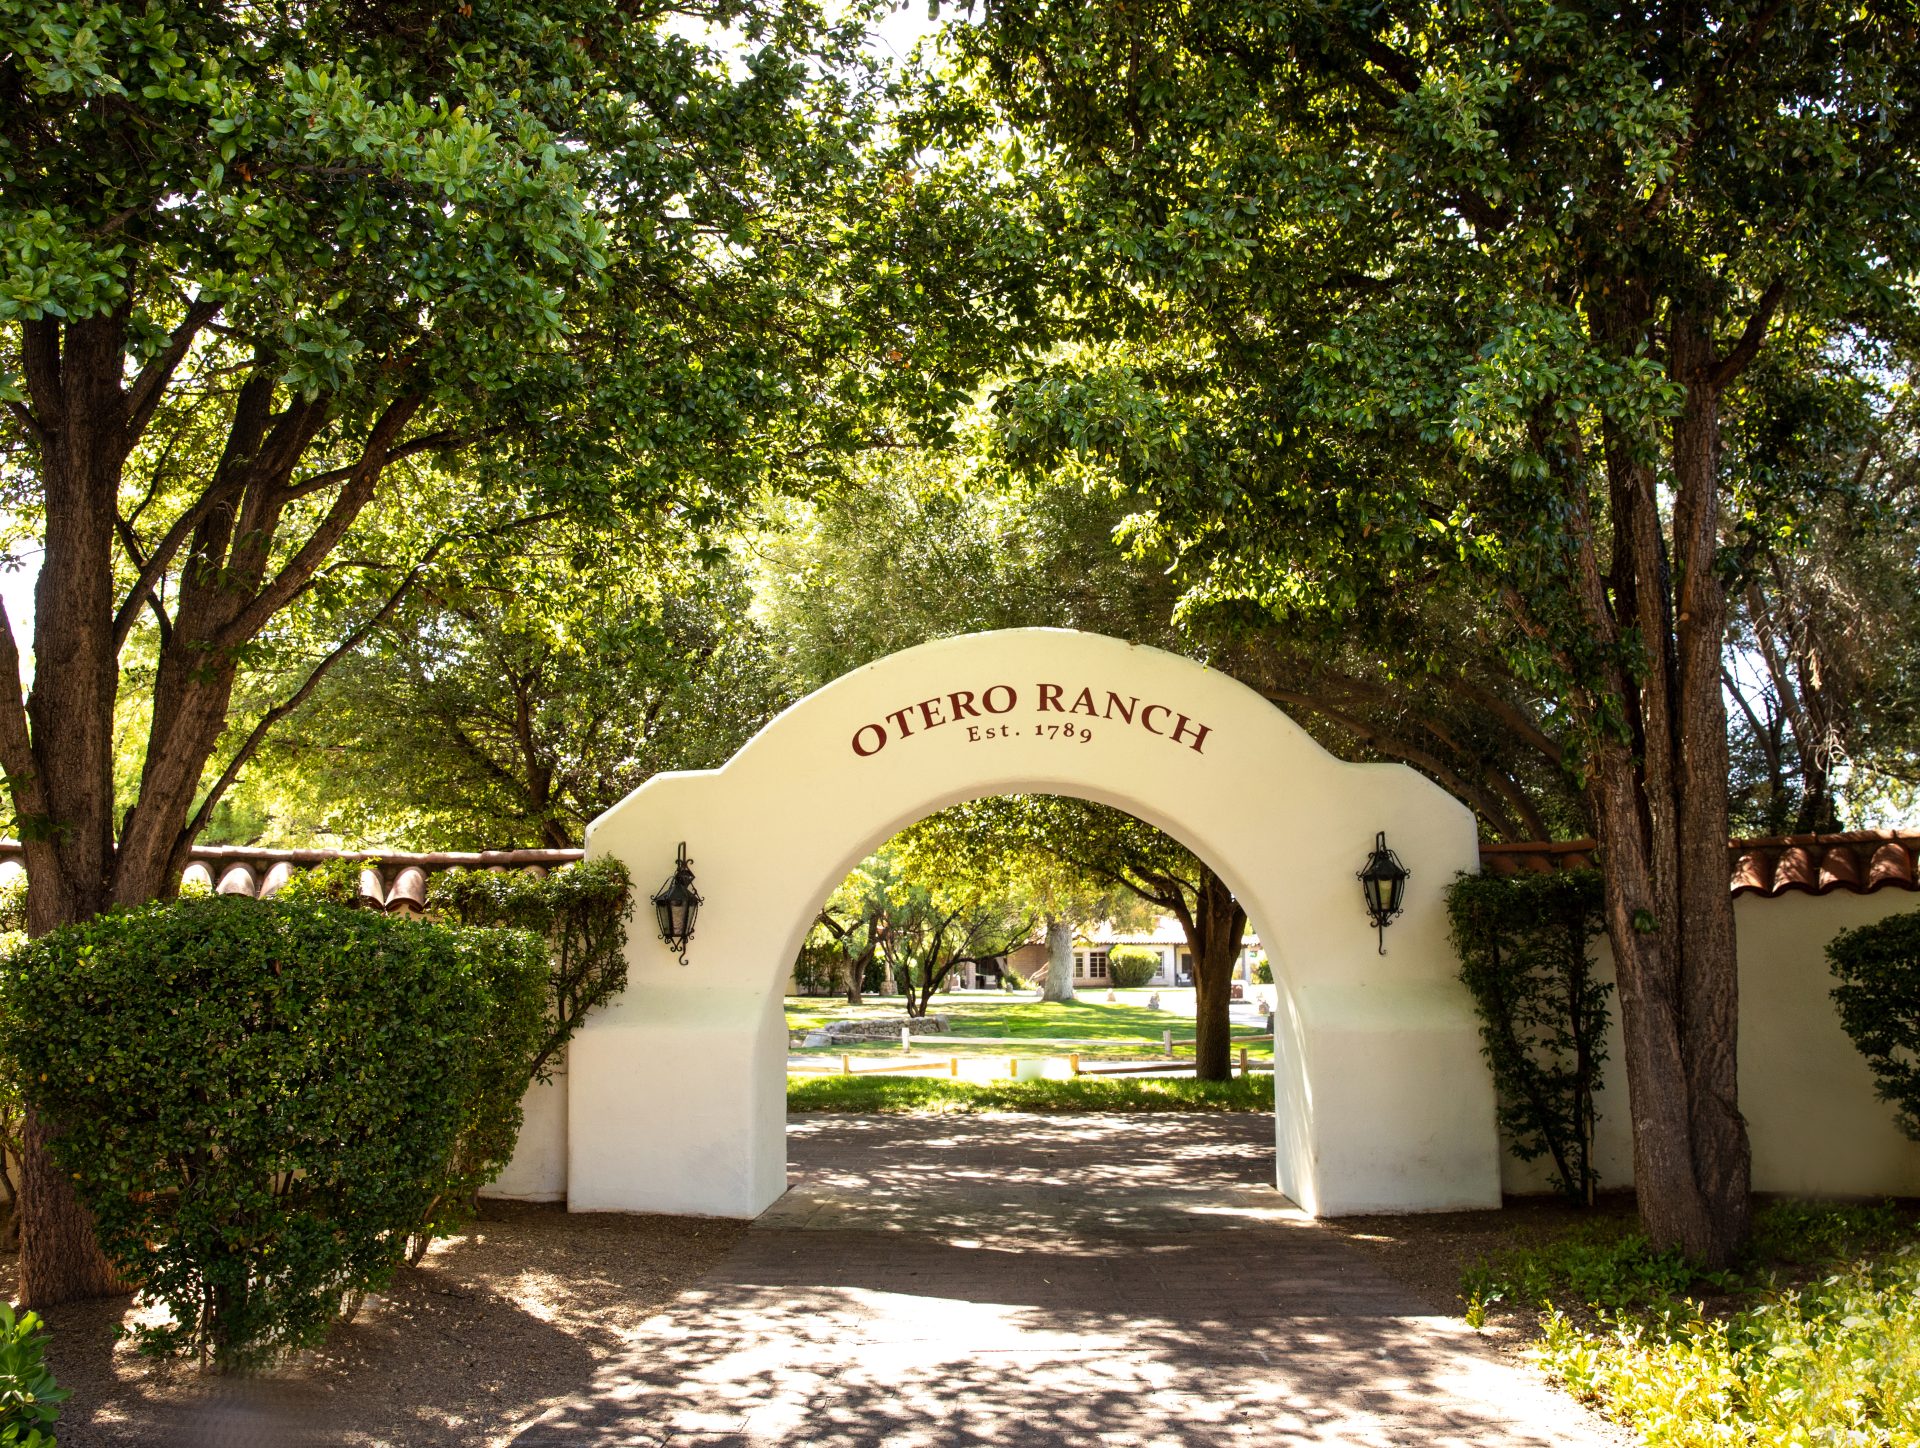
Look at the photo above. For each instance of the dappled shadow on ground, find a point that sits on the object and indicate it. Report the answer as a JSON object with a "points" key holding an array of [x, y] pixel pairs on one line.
{"points": [[1121, 1280], [499, 1323]]}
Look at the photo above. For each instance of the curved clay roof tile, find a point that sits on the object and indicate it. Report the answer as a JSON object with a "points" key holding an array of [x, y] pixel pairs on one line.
{"points": [[409, 890], [1753, 873], [238, 880], [1892, 864], [1796, 870], [1839, 870], [276, 877], [370, 887]]}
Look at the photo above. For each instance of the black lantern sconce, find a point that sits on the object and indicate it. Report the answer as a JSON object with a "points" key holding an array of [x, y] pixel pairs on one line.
{"points": [[676, 905], [1384, 882]]}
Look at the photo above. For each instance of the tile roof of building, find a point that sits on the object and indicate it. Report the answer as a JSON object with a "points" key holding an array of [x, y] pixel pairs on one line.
{"points": [[1861, 862], [389, 879]]}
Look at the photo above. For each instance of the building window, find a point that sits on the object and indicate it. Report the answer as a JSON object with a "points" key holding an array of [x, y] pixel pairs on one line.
{"points": [[1185, 976], [1093, 964]]}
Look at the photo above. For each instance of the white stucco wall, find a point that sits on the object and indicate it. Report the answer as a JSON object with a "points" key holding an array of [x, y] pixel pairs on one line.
{"points": [[538, 1171], [1816, 1127], [676, 1095]]}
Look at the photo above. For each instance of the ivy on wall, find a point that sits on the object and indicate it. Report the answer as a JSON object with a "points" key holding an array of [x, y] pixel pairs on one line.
{"points": [[1524, 943], [581, 911]]}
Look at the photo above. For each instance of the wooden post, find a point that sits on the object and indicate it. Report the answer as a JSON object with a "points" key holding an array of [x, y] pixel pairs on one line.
{"points": [[1073, 1062], [906, 1038], [955, 1065], [1243, 1061], [1166, 1039], [1013, 1067], [846, 1065]]}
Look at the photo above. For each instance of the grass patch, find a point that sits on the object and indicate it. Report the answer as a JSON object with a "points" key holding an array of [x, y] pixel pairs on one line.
{"points": [[891, 1094], [1813, 1338], [1128, 1027]]}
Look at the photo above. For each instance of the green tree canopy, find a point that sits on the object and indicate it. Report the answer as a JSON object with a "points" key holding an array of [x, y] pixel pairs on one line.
{"points": [[1386, 302]]}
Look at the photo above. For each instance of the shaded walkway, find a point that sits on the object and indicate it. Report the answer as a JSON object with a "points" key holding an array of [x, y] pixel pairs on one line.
{"points": [[1113, 1280]]}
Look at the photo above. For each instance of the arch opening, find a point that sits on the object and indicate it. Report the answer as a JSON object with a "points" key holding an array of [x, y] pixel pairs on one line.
{"points": [[676, 1094], [1034, 891]]}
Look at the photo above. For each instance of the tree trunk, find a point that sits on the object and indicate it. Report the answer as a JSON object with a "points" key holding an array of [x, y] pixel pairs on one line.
{"points": [[1059, 981], [1214, 934], [59, 1259], [63, 794], [1659, 807]]}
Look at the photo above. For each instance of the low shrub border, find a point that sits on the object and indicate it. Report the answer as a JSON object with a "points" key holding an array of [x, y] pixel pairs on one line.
{"points": [[261, 1102], [1813, 1337], [891, 1094]]}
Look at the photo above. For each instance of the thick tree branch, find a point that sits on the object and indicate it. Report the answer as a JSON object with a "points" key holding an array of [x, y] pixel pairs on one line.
{"points": [[358, 492], [1740, 356], [250, 746], [16, 738], [151, 385]]}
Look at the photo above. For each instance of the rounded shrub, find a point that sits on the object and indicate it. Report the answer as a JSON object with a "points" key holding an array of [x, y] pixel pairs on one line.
{"points": [[261, 1101], [1878, 967], [1131, 966]]}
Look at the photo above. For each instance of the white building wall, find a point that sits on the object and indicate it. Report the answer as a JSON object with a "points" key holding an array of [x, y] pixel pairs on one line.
{"points": [[1816, 1126]]}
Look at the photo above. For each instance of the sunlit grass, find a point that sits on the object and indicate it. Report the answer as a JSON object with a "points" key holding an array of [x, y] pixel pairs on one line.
{"points": [[902, 1094], [1129, 1027]]}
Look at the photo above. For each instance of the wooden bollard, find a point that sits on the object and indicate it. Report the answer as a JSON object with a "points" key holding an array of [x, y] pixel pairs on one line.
{"points": [[1166, 1040], [906, 1039], [1243, 1061], [955, 1065], [1073, 1062], [846, 1065], [1013, 1067]]}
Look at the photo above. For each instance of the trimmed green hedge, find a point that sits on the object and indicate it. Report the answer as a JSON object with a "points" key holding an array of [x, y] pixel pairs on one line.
{"points": [[1878, 967], [262, 1101]]}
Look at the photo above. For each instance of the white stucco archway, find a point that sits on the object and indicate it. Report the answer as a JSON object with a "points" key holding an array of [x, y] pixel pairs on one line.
{"points": [[677, 1090]]}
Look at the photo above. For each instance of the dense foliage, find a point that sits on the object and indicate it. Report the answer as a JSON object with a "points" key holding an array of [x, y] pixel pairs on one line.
{"points": [[1131, 966], [29, 1398], [1525, 948], [259, 1102], [1878, 967], [1447, 337]]}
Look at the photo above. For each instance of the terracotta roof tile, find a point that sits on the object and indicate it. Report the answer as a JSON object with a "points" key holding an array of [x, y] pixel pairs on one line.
{"points": [[389, 879], [1859, 862]]}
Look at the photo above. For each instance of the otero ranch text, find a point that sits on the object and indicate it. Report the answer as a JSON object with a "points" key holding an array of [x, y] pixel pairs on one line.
{"points": [[1053, 711]]}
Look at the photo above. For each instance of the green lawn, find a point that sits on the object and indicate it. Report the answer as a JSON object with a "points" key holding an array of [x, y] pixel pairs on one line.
{"points": [[904, 1094], [1123, 1030]]}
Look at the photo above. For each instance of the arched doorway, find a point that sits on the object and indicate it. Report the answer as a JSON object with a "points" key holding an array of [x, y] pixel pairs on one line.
{"points": [[677, 1090]]}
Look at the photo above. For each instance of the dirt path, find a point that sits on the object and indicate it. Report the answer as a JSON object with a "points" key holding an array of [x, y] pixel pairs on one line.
{"points": [[944, 1281], [1033, 1281]]}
